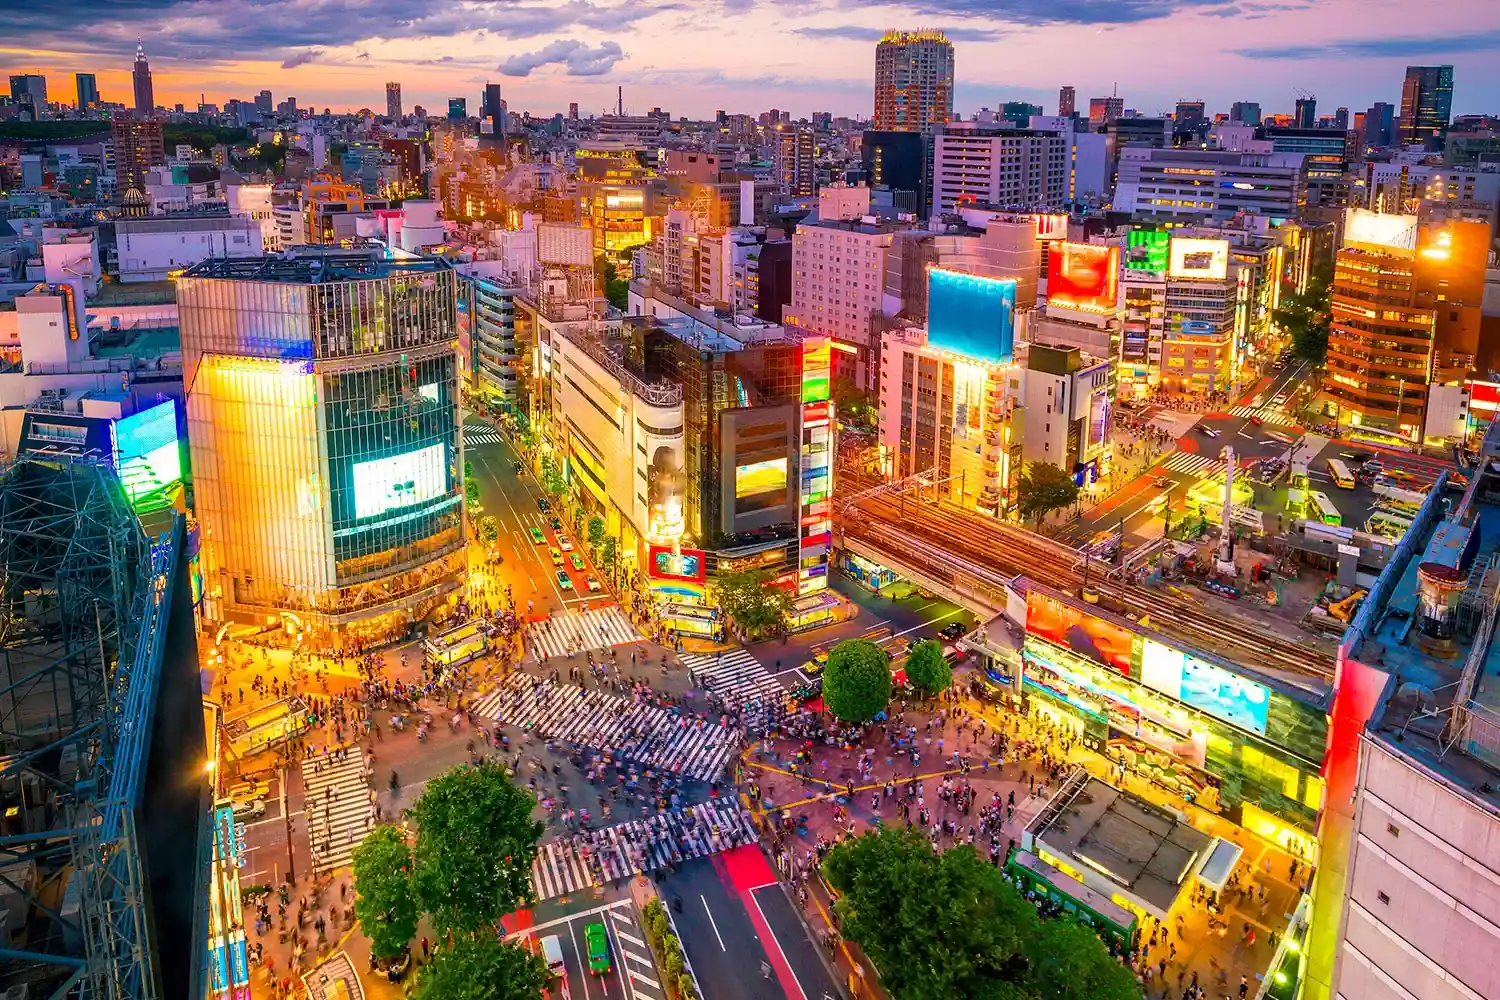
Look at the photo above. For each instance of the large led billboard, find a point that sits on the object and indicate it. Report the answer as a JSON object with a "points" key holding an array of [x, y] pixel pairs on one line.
{"points": [[1051, 227], [1205, 686], [1392, 232], [1197, 258], [1083, 276], [1072, 628], [1146, 250], [685, 564], [148, 453], [400, 480], [760, 477], [971, 315]]}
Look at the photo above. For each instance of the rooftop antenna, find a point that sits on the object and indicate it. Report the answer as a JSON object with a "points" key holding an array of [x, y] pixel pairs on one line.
{"points": [[620, 99]]}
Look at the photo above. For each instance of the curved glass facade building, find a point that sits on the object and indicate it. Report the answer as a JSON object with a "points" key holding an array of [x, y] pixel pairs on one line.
{"points": [[322, 404]]}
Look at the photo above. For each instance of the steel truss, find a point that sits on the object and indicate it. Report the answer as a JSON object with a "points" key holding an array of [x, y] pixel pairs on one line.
{"points": [[84, 602]]}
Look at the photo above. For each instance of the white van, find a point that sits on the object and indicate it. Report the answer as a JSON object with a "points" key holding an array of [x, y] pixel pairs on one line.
{"points": [[552, 954]]}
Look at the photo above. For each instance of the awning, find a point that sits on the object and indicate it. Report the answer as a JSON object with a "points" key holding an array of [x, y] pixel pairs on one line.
{"points": [[1222, 858]]}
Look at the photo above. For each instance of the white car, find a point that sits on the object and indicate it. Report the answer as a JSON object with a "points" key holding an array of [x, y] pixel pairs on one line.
{"points": [[594, 585], [564, 543]]}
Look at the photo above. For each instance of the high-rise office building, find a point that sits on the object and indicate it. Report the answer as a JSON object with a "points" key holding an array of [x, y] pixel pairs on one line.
{"points": [[573, 111], [1341, 119], [88, 90], [1426, 105], [393, 101], [1067, 102], [1306, 115], [1245, 112], [323, 416], [140, 78], [138, 148], [999, 166], [1380, 124], [265, 103], [1105, 110], [491, 113], [793, 155], [458, 109], [898, 161], [29, 90], [1189, 116], [913, 81]]}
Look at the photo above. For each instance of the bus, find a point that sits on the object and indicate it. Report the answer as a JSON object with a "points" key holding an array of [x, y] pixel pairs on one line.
{"points": [[1386, 524], [1342, 477], [1327, 512], [457, 646], [1035, 877]]}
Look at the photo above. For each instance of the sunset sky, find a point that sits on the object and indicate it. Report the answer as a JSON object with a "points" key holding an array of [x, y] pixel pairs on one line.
{"points": [[692, 57]]}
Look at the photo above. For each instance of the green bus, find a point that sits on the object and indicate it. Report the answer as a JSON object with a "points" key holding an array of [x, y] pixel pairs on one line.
{"points": [[1327, 512], [1112, 922]]}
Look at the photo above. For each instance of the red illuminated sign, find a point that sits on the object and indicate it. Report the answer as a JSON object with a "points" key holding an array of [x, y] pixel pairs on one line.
{"points": [[1051, 227], [1083, 276], [1072, 628]]}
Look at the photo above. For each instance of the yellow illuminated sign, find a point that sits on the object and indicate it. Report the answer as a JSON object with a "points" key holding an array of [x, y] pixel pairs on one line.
{"points": [[1393, 232], [1198, 258]]}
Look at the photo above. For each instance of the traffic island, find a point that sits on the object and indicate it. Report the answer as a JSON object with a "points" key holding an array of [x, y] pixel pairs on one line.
{"points": [[676, 975]]}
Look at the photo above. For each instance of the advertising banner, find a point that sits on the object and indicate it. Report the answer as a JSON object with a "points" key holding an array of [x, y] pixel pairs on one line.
{"points": [[1083, 276], [1103, 642]]}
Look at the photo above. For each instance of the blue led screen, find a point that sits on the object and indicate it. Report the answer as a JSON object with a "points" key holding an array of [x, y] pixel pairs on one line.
{"points": [[971, 315]]}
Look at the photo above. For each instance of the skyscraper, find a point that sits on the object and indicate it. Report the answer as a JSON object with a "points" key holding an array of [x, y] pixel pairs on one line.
{"points": [[138, 147], [265, 103], [393, 101], [29, 90], [1067, 102], [1426, 105], [145, 98], [491, 115], [794, 161], [1189, 116], [458, 109], [573, 110], [1245, 112], [88, 90], [913, 81], [1341, 119], [1105, 110], [1380, 124], [1306, 115]]}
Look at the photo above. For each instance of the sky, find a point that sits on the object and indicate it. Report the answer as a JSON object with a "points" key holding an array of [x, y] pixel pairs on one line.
{"points": [[693, 57]]}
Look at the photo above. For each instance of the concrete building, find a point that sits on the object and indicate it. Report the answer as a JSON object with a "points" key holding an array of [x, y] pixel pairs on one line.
{"points": [[393, 101], [140, 77], [1000, 167], [1066, 410], [913, 81], [1105, 110], [152, 249], [1328, 153], [1187, 186], [138, 147], [792, 155]]}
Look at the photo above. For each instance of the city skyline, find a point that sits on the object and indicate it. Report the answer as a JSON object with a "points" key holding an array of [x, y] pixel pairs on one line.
{"points": [[752, 55]]}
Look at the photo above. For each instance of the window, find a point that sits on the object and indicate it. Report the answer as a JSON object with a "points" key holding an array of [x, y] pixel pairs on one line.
{"points": [[1383, 898], [1392, 829]]}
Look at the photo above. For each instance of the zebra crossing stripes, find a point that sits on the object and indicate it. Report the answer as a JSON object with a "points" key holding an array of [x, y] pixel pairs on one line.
{"points": [[683, 744], [576, 631], [572, 863], [1189, 462], [635, 956], [481, 434], [736, 677], [339, 807], [1273, 417]]}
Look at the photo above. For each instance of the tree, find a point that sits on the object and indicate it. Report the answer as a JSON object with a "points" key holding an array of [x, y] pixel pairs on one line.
{"points": [[596, 532], [552, 478], [749, 599], [475, 844], [1043, 488], [857, 680], [937, 926], [483, 967], [927, 668], [471, 492], [1069, 962], [854, 405], [615, 288], [1305, 316], [383, 899], [610, 553], [489, 529]]}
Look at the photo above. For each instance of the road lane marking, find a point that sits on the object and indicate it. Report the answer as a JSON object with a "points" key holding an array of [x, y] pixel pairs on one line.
{"points": [[712, 922]]}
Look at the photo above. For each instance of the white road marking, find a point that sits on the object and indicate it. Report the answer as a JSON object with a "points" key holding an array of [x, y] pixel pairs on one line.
{"points": [[713, 923]]}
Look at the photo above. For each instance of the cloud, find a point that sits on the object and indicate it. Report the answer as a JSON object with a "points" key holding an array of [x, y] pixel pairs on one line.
{"points": [[1391, 47], [302, 58], [1041, 12], [575, 56]]}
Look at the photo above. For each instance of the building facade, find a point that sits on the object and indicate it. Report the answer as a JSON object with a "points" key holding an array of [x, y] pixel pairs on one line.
{"points": [[138, 147], [393, 101], [322, 406], [1426, 106], [792, 156], [913, 81], [1185, 186], [140, 77], [1000, 167]]}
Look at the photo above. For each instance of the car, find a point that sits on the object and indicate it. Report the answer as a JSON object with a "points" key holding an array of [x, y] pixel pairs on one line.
{"points": [[594, 585], [953, 630], [1255, 420], [557, 968], [536, 535], [543, 506], [576, 561], [564, 543], [556, 556], [520, 467], [556, 523], [1162, 483], [564, 581], [598, 944], [244, 812], [815, 666], [1207, 430]]}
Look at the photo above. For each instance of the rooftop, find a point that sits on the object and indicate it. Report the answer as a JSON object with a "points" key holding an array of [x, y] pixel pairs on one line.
{"points": [[312, 266]]}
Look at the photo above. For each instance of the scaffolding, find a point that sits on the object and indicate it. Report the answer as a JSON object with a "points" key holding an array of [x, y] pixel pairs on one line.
{"points": [[84, 600]]}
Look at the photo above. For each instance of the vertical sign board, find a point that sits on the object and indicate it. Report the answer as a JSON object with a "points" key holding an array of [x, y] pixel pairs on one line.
{"points": [[815, 486]]}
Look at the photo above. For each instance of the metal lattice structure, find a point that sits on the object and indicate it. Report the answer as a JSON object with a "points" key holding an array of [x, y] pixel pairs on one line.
{"points": [[84, 601]]}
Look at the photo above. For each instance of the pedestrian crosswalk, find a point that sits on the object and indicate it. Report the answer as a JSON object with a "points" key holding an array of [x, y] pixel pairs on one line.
{"points": [[648, 734], [736, 677], [481, 434], [576, 631], [1273, 417], [338, 804], [571, 863], [1191, 462]]}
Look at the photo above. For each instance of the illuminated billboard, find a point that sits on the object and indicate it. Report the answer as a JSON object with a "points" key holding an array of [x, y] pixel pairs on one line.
{"points": [[815, 485], [1051, 227], [1197, 258], [1205, 686], [760, 477], [1146, 250], [399, 481], [148, 453], [665, 564], [1106, 643], [1390, 232], [1083, 276], [971, 315]]}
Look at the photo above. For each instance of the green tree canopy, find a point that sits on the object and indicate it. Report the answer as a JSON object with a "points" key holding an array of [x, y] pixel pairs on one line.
{"points": [[489, 529], [854, 405], [927, 669], [383, 899], [596, 532], [750, 600], [552, 478], [1068, 962], [1043, 488], [475, 844], [857, 680], [483, 967], [1305, 316]]}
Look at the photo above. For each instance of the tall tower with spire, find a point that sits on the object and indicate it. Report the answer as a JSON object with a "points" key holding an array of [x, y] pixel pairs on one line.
{"points": [[145, 100]]}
